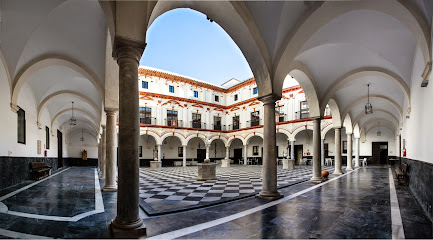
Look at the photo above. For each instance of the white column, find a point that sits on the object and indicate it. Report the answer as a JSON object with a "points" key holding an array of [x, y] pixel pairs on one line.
{"points": [[159, 153], [103, 153], [349, 152], [317, 168], [292, 150], [184, 155], [245, 154], [357, 152], [99, 155], [227, 152], [337, 170], [207, 151], [111, 166], [269, 185], [322, 152]]}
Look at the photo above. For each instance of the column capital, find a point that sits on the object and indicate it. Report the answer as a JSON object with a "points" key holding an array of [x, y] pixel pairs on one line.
{"points": [[111, 110], [14, 108], [127, 48], [103, 126], [269, 99], [316, 118]]}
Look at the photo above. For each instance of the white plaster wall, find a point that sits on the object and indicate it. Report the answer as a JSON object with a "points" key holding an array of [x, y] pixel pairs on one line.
{"points": [[306, 140], [75, 147], [330, 140], [386, 136]]}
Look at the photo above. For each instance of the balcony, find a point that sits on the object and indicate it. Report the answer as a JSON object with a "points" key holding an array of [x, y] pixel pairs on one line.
{"points": [[198, 125], [219, 127], [254, 123], [233, 127], [300, 115], [148, 120], [173, 123]]}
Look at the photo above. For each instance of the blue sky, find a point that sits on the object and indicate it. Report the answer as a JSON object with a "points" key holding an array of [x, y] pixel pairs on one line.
{"points": [[184, 42]]}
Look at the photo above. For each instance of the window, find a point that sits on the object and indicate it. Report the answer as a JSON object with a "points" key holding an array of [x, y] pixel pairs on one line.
{"points": [[255, 150], [195, 94], [255, 91], [145, 115], [216, 123], [47, 137], [196, 120], [140, 151], [171, 89], [180, 151], [255, 118], [172, 118], [144, 84], [235, 122], [21, 126], [305, 110], [344, 146], [236, 97], [217, 98], [279, 113]]}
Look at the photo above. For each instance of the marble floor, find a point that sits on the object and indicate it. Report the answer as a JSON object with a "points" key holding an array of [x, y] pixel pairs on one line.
{"points": [[364, 203]]}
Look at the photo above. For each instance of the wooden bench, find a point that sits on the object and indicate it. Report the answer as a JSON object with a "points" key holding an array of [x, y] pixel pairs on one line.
{"points": [[402, 173], [39, 170]]}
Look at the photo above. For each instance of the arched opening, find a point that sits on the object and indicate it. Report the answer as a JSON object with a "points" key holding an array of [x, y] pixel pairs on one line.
{"points": [[147, 149], [217, 151], [304, 147], [196, 150], [254, 150], [283, 145], [236, 150]]}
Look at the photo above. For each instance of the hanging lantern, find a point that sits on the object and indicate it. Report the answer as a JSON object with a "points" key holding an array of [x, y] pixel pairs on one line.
{"points": [[72, 120], [368, 106], [379, 133]]}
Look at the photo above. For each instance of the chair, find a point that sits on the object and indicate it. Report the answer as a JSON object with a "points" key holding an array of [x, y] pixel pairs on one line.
{"points": [[241, 161], [364, 162], [304, 161]]}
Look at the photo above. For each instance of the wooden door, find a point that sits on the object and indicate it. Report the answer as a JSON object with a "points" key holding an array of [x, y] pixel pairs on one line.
{"points": [[201, 155], [379, 152], [375, 150], [299, 149], [237, 154], [326, 150], [59, 149]]}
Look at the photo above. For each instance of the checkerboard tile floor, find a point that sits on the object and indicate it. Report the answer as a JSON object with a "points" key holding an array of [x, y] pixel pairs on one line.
{"points": [[176, 188]]}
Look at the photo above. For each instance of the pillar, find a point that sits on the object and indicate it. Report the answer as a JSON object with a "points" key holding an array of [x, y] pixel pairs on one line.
{"points": [[159, 153], [245, 154], [349, 152], [128, 52], [317, 167], [269, 186], [99, 155], [292, 149], [103, 151], [322, 152], [184, 155], [110, 166], [357, 152], [227, 152], [337, 170], [207, 151]]}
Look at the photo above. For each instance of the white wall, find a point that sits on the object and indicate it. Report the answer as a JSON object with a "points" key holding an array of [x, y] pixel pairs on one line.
{"points": [[75, 147], [386, 136]]}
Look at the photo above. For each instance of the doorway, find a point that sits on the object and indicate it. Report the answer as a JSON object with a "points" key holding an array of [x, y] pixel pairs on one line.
{"points": [[379, 152], [237, 154], [59, 149], [201, 155], [299, 149], [326, 150]]}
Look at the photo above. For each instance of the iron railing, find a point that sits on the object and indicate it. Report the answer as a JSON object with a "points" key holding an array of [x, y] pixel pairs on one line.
{"points": [[148, 120], [198, 125], [173, 123]]}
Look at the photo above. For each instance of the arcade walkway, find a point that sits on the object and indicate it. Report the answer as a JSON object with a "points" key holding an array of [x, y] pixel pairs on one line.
{"points": [[359, 204]]}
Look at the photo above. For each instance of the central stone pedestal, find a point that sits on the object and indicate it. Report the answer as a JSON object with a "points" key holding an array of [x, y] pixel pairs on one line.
{"points": [[225, 163], [206, 171], [289, 164], [155, 165]]}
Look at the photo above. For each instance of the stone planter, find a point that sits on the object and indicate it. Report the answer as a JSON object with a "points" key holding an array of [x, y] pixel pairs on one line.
{"points": [[289, 164], [206, 171], [155, 165], [225, 163]]}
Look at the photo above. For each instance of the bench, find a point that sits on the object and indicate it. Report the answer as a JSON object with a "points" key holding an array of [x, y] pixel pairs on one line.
{"points": [[401, 173], [39, 170]]}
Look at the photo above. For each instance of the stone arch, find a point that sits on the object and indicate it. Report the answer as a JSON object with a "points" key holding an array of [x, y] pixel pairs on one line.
{"points": [[230, 140], [233, 18], [79, 127], [300, 129], [51, 97], [384, 126], [218, 137], [379, 120], [285, 132], [356, 131], [82, 120], [251, 135], [199, 135], [361, 99], [6, 69], [87, 113], [326, 130], [175, 134], [360, 116], [72, 133], [322, 13], [362, 72], [347, 123], [45, 61], [335, 111]]}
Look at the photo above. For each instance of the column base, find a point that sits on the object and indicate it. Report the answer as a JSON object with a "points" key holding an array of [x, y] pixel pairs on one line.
{"points": [[316, 179], [349, 169], [128, 231], [112, 188], [269, 196], [337, 173], [101, 178]]}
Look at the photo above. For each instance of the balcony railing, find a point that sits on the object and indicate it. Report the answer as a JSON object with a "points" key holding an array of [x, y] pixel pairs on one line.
{"points": [[219, 127], [173, 123], [148, 120], [299, 115], [282, 118], [254, 123], [233, 126], [198, 125]]}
